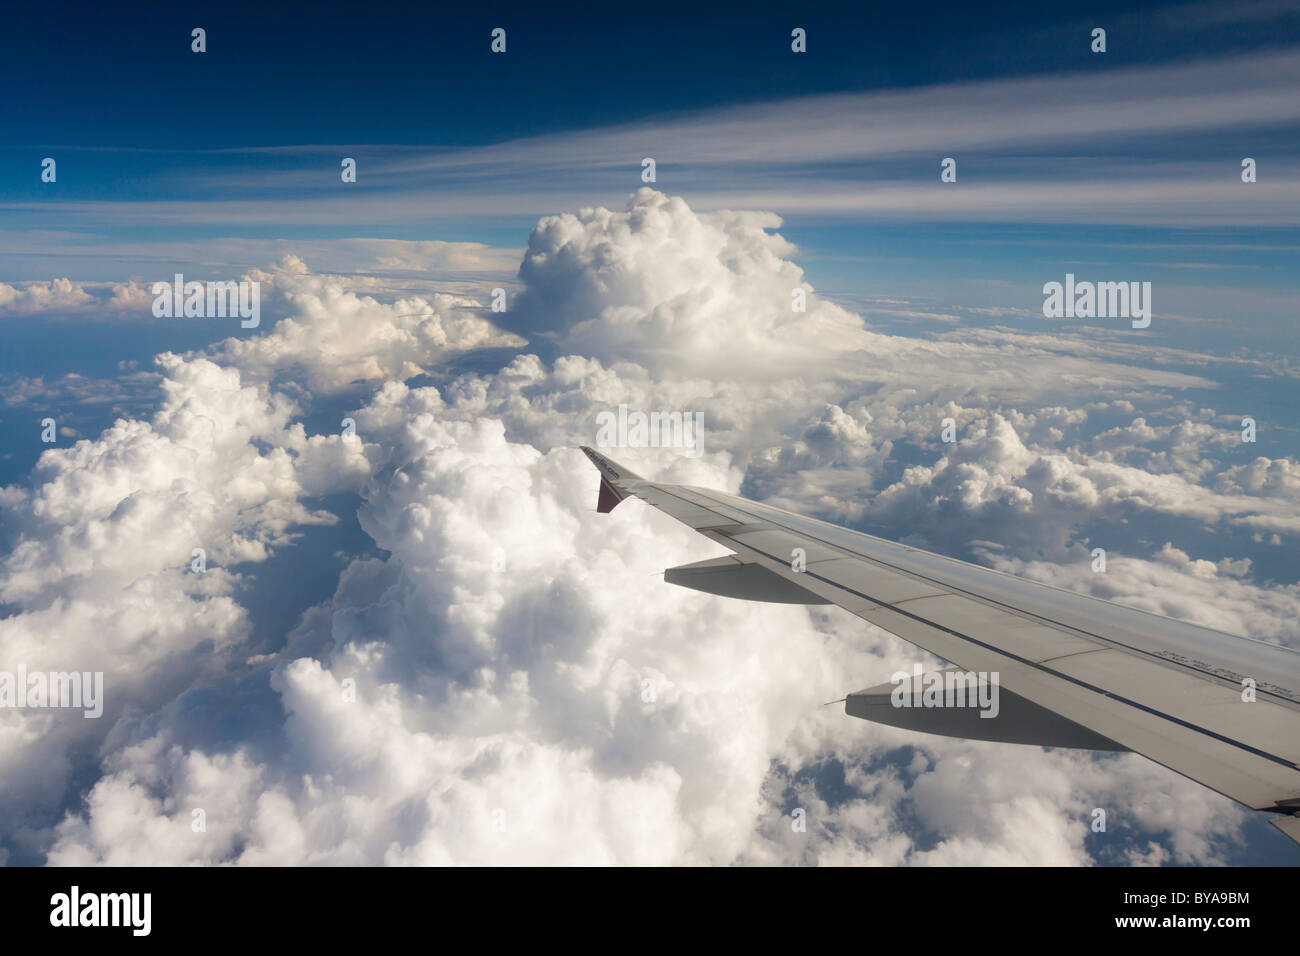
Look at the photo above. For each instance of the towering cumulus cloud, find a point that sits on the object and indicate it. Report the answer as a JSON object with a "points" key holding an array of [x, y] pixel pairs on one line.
{"points": [[505, 678], [677, 291]]}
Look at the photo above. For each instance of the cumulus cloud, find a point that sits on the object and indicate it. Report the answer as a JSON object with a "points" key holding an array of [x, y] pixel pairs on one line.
{"points": [[57, 294], [508, 679], [59, 297], [99, 575], [338, 338], [677, 289]]}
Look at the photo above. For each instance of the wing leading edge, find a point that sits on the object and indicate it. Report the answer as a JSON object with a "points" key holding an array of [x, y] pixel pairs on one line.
{"points": [[1073, 670]]}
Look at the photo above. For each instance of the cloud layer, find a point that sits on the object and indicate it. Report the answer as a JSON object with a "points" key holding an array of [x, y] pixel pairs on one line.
{"points": [[509, 679]]}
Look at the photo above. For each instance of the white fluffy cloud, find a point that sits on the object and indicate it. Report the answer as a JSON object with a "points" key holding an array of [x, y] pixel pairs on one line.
{"points": [[43, 296], [99, 574], [510, 680], [335, 338], [678, 291]]}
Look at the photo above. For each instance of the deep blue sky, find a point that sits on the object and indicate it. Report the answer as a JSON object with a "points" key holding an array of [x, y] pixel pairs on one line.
{"points": [[420, 73]]}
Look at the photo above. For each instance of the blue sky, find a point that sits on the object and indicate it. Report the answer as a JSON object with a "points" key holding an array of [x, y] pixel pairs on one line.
{"points": [[1068, 160], [323, 73]]}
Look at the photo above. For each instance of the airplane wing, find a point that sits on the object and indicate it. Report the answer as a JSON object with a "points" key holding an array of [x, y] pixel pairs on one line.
{"points": [[1072, 670]]}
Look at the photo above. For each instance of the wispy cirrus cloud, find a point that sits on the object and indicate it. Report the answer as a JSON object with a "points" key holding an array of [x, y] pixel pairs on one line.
{"points": [[1098, 147]]}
